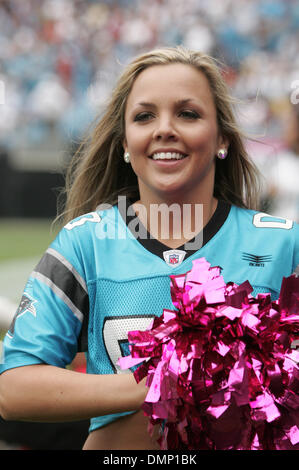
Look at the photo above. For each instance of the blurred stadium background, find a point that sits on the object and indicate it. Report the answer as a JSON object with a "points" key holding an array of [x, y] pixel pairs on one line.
{"points": [[58, 61]]}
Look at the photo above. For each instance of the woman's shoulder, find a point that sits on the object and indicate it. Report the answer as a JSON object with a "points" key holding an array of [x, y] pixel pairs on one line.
{"points": [[266, 227], [265, 234], [265, 220], [88, 222]]}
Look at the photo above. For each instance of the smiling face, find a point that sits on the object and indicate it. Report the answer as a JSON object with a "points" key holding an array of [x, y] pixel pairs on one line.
{"points": [[171, 134]]}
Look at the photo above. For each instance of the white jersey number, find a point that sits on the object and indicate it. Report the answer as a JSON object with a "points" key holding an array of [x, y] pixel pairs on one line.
{"points": [[92, 217], [115, 332], [262, 220]]}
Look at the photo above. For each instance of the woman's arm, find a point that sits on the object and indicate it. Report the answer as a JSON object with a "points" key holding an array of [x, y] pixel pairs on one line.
{"points": [[50, 394]]}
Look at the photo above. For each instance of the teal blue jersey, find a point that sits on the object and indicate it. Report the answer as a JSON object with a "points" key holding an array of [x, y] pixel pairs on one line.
{"points": [[97, 281]]}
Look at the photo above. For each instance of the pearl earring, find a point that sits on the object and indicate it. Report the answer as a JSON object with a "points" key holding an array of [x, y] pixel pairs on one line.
{"points": [[222, 154], [127, 157]]}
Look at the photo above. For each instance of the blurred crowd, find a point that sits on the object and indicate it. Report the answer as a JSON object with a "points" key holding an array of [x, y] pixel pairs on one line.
{"points": [[59, 59]]}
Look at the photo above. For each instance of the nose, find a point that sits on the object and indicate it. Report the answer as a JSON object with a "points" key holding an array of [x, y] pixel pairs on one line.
{"points": [[165, 129]]}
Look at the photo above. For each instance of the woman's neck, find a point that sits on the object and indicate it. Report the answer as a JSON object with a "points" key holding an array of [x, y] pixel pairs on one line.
{"points": [[174, 223]]}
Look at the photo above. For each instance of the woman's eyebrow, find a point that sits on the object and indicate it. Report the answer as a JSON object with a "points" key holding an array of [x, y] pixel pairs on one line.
{"points": [[146, 104], [177, 103], [191, 101], [184, 101]]}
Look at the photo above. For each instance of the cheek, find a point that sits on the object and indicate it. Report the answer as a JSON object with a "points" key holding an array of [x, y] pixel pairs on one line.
{"points": [[137, 149], [203, 139], [136, 143]]}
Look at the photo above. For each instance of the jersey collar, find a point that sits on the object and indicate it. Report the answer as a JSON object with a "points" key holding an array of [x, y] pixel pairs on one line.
{"points": [[174, 257]]}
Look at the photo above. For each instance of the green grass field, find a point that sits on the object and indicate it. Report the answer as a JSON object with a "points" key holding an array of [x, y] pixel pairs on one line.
{"points": [[21, 239], [24, 238]]}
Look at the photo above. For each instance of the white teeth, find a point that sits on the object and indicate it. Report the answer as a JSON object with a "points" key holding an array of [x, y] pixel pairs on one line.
{"points": [[168, 156]]}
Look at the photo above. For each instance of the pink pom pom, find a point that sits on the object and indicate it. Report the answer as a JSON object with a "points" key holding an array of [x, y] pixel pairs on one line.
{"points": [[220, 368]]}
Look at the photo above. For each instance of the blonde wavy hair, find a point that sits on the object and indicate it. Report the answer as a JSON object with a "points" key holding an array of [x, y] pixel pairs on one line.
{"points": [[98, 174]]}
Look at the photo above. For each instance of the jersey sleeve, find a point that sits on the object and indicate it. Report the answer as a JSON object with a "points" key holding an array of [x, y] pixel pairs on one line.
{"points": [[49, 322]]}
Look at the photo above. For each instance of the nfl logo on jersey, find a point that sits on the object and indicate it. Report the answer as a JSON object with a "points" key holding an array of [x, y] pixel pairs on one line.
{"points": [[174, 258]]}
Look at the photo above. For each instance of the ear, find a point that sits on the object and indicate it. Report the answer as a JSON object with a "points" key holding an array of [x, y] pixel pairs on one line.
{"points": [[125, 146], [223, 143]]}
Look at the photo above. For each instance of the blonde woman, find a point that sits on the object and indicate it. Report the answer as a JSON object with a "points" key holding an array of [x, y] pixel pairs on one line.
{"points": [[163, 179]]}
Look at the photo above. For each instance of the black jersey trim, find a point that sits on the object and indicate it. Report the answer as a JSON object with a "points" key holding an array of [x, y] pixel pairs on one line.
{"points": [[67, 285], [157, 248]]}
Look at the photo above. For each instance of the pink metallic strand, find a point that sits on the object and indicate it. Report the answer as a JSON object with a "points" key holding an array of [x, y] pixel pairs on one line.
{"points": [[220, 368]]}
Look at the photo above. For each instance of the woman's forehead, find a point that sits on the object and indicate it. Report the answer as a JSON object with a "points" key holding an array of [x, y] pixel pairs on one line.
{"points": [[177, 82]]}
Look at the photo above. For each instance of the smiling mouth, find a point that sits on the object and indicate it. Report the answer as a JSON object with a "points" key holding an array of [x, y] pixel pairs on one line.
{"points": [[168, 156]]}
